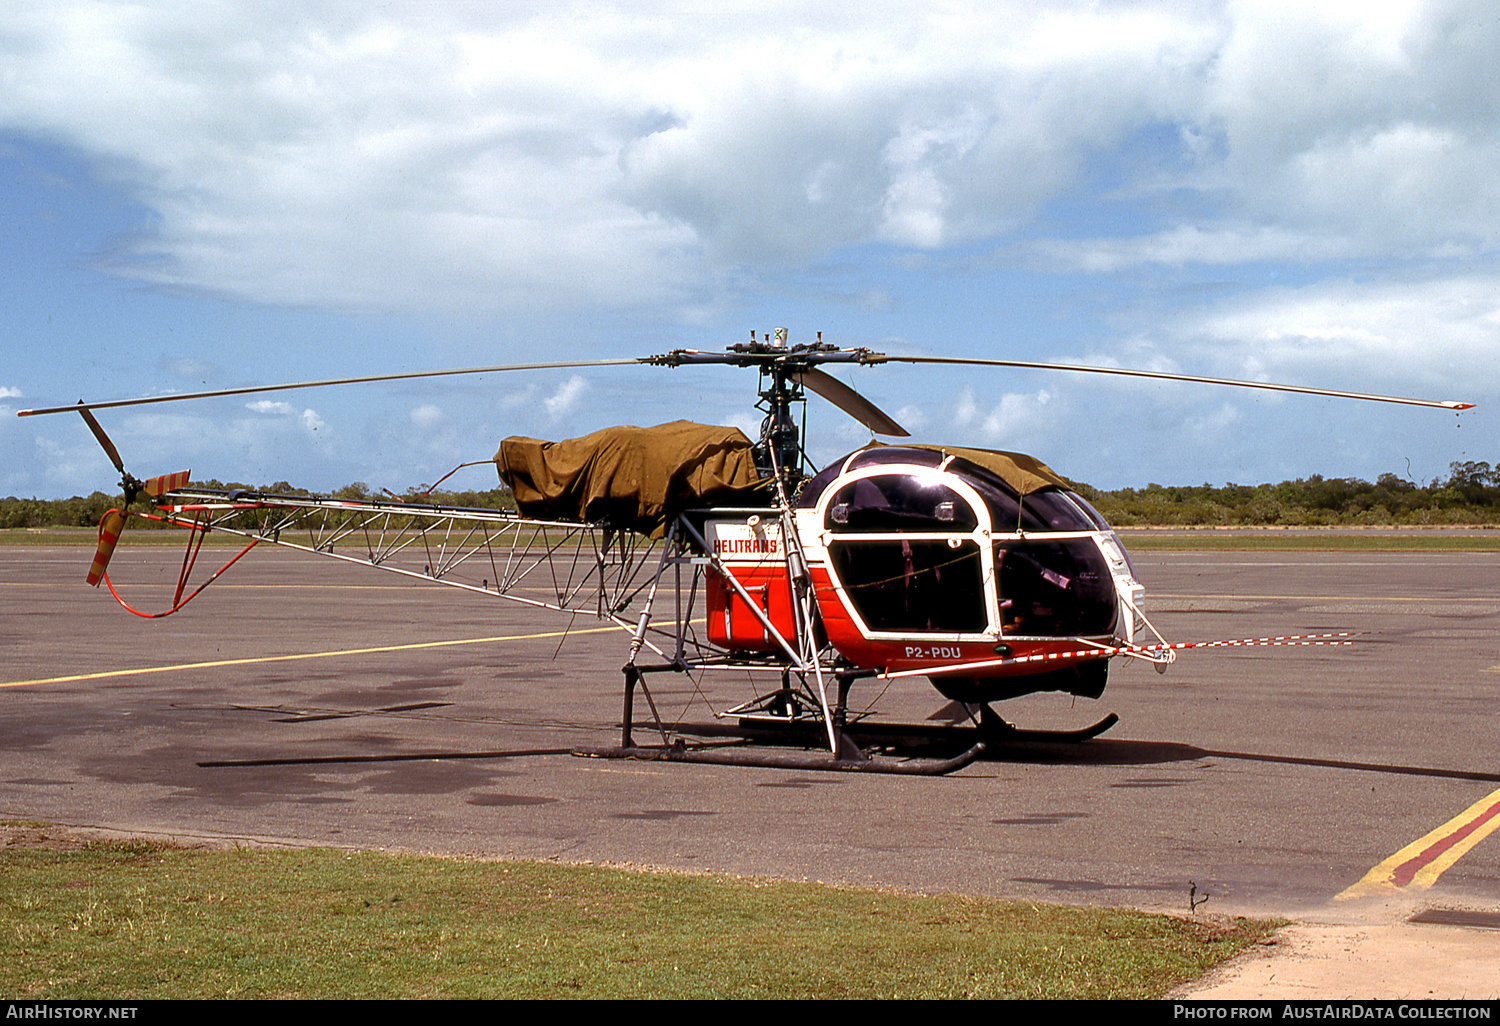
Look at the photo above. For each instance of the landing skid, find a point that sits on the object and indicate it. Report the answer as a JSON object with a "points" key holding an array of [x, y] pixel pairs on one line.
{"points": [[990, 729], [996, 729], [770, 723], [776, 713]]}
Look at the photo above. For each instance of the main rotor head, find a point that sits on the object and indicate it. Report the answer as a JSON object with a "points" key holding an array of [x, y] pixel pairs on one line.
{"points": [[785, 370]]}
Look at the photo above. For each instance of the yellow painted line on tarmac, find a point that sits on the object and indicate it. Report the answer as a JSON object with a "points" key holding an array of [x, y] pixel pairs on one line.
{"points": [[1418, 866], [301, 655]]}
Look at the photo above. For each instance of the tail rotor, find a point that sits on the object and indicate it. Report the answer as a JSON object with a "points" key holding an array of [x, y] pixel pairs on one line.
{"points": [[114, 521]]}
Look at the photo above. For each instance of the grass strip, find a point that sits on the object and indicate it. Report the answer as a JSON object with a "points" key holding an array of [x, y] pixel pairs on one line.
{"points": [[140, 920], [89, 536], [1333, 541]]}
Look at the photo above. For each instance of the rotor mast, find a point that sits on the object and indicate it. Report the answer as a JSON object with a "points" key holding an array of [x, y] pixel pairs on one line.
{"points": [[786, 371], [779, 451]]}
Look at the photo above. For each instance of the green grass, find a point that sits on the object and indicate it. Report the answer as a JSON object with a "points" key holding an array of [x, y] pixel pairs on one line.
{"points": [[138, 920], [1340, 540], [89, 536]]}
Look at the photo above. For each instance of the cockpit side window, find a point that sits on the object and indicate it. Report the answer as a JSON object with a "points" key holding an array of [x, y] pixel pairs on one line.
{"points": [[913, 585], [904, 582]]}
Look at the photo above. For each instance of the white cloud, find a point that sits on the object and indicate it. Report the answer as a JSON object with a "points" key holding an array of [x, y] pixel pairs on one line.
{"points": [[1015, 421], [913, 418], [190, 367], [8, 392], [965, 410], [1403, 337], [310, 419], [426, 415], [1187, 244], [1213, 424], [749, 423], [563, 401], [1372, 123], [80, 468], [419, 156], [1014, 417], [412, 155]]}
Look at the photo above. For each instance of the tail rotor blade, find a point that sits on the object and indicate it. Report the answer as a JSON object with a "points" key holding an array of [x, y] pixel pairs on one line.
{"points": [[109, 534], [850, 401], [158, 486], [108, 446]]}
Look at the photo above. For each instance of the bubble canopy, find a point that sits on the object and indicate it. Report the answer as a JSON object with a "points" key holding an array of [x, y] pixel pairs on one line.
{"points": [[923, 540]]}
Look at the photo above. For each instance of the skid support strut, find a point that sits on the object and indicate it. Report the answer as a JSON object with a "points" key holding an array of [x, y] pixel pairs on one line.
{"points": [[637, 675], [632, 676], [848, 758]]}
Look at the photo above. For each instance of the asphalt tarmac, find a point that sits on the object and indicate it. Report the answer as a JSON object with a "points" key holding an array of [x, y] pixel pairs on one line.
{"points": [[302, 703]]}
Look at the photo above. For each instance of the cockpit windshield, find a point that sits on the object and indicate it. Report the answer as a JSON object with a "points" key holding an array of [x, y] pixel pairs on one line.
{"points": [[1046, 511]]}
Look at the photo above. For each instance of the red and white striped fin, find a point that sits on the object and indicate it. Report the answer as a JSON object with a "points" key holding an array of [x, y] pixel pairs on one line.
{"points": [[156, 486]]}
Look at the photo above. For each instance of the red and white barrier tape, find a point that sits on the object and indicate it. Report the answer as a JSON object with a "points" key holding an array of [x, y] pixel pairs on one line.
{"points": [[1148, 652]]}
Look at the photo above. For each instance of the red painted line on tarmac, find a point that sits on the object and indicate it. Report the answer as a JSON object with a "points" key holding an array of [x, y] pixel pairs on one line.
{"points": [[1407, 871]]}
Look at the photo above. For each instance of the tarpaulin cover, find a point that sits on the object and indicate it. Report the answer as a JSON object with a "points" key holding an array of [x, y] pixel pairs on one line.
{"points": [[633, 478]]}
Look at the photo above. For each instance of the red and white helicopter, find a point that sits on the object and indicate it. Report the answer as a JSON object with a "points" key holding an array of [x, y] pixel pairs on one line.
{"points": [[981, 571]]}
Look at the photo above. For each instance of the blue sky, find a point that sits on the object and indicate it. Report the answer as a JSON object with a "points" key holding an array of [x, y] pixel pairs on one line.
{"points": [[202, 195]]}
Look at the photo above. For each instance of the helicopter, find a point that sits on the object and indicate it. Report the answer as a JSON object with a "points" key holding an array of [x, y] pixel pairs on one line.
{"points": [[983, 571]]}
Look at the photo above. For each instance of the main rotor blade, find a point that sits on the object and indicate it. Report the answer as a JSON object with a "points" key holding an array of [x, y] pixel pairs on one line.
{"points": [[850, 401], [109, 447], [84, 407], [1448, 404]]}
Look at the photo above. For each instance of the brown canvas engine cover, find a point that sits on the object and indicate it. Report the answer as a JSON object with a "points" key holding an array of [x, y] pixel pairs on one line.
{"points": [[635, 478]]}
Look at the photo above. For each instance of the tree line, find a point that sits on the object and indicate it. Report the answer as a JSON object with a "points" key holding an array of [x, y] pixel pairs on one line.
{"points": [[87, 511], [1469, 495]]}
